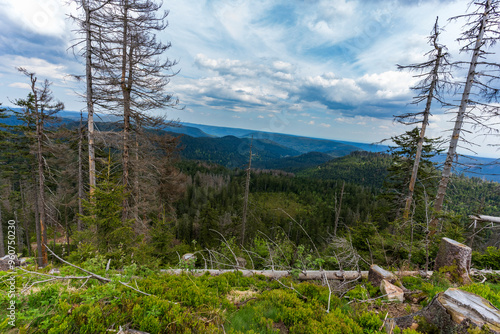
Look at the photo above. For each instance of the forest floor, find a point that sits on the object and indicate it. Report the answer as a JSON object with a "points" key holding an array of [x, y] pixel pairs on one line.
{"points": [[155, 302]]}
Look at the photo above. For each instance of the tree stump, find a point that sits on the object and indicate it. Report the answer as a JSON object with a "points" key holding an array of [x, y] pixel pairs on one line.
{"points": [[377, 274], [454, 258], [453, 311]]}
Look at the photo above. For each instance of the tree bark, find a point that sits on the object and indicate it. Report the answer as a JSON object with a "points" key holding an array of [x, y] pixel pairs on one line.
{"points": [[90, 99], [454, 311], [303, 276], [41, 178], [80, 176], [126, 90], [37, 229], [137, 193], [456, 259]]}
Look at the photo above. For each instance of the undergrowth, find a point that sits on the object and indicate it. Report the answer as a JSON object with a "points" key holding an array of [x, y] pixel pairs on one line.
{"points": [[205, 304]]}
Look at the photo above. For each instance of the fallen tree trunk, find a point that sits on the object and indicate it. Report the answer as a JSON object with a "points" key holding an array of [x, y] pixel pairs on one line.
{"points": [[303, 276]]}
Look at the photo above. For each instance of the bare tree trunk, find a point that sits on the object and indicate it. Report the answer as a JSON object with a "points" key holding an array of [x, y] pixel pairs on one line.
{"points": [[137, 194], [337, 213], [90, 101], [420, 143], [37, 229], [126, 89], [67, 227], [80, 176], [245, 199], [446, 173], [41, 179], [2, 247]]}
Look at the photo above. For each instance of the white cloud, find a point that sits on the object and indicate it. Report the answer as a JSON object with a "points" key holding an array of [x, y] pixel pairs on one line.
{"points": [[41, 67], [325, 125], [333, 20], [45, 17], [21, 85], [388, 85]]}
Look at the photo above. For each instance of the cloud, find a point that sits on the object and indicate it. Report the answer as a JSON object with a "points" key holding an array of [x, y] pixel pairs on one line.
{"points": [[388, 85], [22, 85], [41, 17], [241, 86], [41, 67]]}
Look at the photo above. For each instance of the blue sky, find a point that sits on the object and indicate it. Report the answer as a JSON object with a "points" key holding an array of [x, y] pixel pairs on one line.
{"points": [[320, 68]]}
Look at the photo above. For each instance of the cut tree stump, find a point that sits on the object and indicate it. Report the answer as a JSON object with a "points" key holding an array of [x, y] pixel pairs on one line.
{"points": [[453, 311], [376, 274], [457, 258]]}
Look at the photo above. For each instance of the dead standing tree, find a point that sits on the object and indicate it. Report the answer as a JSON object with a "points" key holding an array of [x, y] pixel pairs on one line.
{"points": [[435, 79], [481, 32], [43, 107], [132, 72], [90, 26]]}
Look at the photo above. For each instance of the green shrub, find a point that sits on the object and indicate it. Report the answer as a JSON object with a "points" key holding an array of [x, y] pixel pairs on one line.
{"points": [[490, 259]]}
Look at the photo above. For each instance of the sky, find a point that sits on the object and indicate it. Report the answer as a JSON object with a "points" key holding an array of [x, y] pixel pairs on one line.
{"points": [[317, 68]]}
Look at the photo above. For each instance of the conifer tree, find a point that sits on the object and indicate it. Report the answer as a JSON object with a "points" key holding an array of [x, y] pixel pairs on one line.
{"points": [[41, 106], [401, 169]]}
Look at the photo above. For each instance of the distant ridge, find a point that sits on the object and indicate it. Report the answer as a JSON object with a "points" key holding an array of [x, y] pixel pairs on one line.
{"points": [[280, 151]]}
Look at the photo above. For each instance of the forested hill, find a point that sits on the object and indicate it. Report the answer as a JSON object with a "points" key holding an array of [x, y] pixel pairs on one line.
{"points": [[231, 151], [295, 164], [363, 168]]}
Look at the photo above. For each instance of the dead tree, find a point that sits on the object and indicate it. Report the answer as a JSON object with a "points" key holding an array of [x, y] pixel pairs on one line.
{"points": [[434, 74], [42, 106], [131, 70], [80, 175], [90, 26], [481, 32]]}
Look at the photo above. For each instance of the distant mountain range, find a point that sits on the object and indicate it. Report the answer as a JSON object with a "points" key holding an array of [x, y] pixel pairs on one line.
{"points": [[230, 147]]}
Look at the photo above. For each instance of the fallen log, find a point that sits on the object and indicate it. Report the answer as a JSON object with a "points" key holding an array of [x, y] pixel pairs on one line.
{"points": [[303, 276], [485, 218]]}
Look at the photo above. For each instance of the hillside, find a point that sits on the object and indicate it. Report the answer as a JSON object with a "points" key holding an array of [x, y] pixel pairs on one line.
{"points": [[294, 164], [187, 130], [306, 144], [364, 168], [231, 151]]}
